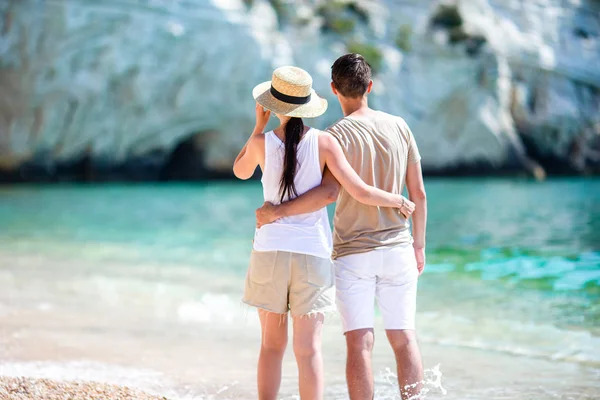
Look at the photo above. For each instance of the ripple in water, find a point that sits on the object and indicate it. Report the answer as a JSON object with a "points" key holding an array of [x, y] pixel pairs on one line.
{"points": [[432, 383]]}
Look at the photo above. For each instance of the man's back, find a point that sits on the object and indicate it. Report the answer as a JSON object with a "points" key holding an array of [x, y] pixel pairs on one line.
{"points": [[379, 147]]}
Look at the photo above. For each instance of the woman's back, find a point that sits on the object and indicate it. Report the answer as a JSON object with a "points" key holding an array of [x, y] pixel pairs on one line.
{"points": [[306, 233]]}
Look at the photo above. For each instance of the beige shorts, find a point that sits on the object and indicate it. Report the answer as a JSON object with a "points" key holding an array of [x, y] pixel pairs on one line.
{"points": [[279, 281]]}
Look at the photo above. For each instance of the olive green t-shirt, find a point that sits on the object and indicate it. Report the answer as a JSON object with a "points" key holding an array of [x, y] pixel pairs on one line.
{"points": [[379, 148]]}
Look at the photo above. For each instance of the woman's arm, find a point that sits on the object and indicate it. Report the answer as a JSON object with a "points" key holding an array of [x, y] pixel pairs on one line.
{"points": [[354, 185], [249, 158], [246, 162]]}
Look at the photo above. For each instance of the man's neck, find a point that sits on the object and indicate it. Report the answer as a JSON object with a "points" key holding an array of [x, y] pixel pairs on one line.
{"points": [[352, 106]]}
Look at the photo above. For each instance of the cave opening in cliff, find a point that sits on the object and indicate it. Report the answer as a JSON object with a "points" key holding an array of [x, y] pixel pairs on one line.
{"points": [[187, 162]]}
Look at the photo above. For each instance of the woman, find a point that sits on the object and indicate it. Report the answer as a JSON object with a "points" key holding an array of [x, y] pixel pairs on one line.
{"points": [[290, 266]]}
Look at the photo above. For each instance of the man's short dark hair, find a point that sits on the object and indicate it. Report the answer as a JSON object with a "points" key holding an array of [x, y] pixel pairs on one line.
{"points": [[351, 75]]}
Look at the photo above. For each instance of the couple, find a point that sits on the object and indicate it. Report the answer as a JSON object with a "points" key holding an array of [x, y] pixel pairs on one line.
{"points": [[374, 254]]}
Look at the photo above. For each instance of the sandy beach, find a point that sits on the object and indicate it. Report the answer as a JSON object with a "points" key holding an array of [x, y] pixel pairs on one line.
{"points": [[45, 389]]}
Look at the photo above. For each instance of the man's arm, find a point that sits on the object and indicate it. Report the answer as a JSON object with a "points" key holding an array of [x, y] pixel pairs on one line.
{"points": [[416, 193], [313, 200], [357, 188], [327, 193]]}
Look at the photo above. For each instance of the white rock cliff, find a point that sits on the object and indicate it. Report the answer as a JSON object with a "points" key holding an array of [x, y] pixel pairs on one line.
{"points": [[483, 83]]}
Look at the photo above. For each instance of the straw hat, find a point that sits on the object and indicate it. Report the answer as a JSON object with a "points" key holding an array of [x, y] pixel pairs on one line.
{"points": [[290, 93]]}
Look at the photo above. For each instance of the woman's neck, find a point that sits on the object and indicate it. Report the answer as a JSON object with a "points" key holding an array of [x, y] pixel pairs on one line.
{"points": [[280, 131]]}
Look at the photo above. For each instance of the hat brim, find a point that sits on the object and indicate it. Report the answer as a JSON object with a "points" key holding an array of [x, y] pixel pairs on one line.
{"points": [[315, 107]]}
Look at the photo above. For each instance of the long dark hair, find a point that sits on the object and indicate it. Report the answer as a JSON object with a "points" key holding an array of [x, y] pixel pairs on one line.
{"points": [[293, 133]]}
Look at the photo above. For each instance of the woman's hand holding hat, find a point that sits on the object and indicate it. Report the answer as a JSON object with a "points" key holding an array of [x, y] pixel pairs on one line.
{"points": [[262, 118]]}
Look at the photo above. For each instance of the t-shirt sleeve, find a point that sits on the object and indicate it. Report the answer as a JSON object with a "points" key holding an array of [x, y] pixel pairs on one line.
{"points": [[413, 151], [333, 130]]}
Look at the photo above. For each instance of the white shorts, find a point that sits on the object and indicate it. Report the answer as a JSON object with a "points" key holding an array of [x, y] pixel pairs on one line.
{"points": [[388, 274]]}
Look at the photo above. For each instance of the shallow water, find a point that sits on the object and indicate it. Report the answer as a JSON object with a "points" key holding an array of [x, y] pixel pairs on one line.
{"points": [[140, 284]]}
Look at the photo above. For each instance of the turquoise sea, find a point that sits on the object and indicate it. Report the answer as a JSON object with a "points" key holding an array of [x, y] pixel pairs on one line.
{"points": [[141, 284]]}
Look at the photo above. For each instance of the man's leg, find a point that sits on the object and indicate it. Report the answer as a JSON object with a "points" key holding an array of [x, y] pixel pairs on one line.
{"points": [[355, 297], [359, 373], [274, 340], [397, 298], [408, 361]]}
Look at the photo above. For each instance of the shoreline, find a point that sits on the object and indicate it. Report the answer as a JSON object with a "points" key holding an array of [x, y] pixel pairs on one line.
{"points": [[17, 178], [150, 171], [112, 180]]}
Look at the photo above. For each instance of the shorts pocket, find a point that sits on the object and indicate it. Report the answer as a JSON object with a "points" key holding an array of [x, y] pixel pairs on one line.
{"points": [[319, 271], [401, 265], [262, 267]]}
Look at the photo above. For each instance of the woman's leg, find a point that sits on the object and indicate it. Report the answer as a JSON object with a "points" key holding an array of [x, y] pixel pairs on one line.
{"points": [[307, 348], [273, 342]]}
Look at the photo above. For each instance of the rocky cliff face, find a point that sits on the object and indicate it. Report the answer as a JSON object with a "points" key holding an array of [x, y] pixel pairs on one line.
{"points": [[146, 85]]}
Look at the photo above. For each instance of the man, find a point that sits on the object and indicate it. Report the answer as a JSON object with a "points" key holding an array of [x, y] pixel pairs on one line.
{"points": [[375, 255]]}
